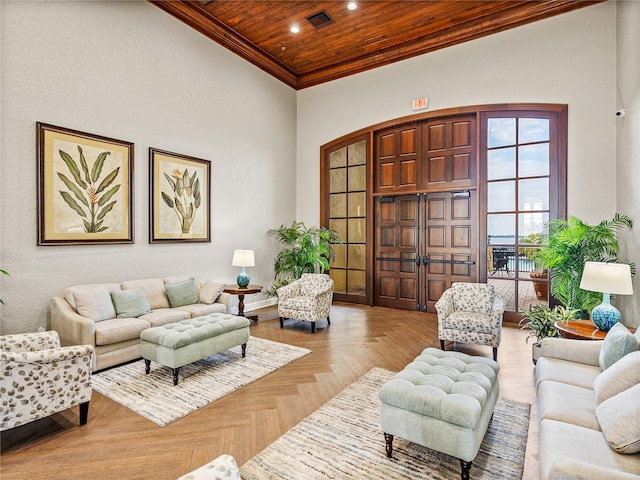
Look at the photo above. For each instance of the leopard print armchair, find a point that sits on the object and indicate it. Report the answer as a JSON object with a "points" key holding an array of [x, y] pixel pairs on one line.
{"points": [[308, 298], [471, 313], [40, 378]]}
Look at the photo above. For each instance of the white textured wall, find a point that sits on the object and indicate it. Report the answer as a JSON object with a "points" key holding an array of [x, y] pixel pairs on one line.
{"points": [[628, 141], [129, 71], [568, 59]]}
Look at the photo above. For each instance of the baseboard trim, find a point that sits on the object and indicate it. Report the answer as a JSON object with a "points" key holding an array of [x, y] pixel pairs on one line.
{"points": [[248, 307]]}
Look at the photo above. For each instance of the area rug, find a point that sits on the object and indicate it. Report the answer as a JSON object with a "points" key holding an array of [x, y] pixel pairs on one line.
{"points": [[155, 397], [343, 440]]}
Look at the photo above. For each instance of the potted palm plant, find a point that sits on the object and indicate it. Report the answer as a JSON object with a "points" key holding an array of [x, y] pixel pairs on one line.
{"points": [[540, 320], [304, 250], [565, 249]]}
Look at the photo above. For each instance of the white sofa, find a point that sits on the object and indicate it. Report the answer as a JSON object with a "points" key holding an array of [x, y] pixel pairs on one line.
{"points": [[589, 418], [111, 316]]}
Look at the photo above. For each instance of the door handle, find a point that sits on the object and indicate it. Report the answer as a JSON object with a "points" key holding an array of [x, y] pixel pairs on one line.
{"points": [[449, 262]]}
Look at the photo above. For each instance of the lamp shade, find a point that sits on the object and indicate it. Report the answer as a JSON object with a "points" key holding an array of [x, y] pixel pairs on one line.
{"points": [[243, 258], [607, 278]]}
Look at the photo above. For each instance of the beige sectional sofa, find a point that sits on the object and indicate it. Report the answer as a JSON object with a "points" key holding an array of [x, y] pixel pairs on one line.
{"points": [[589, 417], [111, 316]]}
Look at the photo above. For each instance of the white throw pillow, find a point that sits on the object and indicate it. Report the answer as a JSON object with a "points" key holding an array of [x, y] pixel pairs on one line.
{"points": [[210, 291], [619, 418], [94, 303], [68, 293], [618, 377]]}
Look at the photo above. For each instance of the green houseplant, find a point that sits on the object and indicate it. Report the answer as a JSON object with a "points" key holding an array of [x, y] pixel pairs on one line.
{"points": [[4, 272], [541, 320], [565, 249], [304, 250]]}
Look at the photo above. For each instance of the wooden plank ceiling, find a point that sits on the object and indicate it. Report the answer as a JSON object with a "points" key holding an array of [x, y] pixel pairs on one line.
{"points": [[376, 33]]}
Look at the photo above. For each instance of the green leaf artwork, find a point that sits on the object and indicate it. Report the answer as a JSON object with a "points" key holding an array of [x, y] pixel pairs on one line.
{"points": [[83, 196], [186, 196]]}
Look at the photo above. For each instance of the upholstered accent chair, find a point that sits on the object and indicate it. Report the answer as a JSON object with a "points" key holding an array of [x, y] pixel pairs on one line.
{"points": [[471, 313], [40, 378], [308, 298]]}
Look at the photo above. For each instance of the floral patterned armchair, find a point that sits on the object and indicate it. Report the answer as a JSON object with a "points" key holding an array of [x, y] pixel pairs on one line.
{"points": [[308, 298], [40, 378], [471, 313]]}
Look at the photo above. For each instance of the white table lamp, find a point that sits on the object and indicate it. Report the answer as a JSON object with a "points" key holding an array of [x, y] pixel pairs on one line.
{"points": [[243, 258], [607, 278]]}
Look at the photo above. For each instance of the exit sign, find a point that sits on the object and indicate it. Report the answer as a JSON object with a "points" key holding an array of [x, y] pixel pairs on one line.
{"points": [[420, 103]]}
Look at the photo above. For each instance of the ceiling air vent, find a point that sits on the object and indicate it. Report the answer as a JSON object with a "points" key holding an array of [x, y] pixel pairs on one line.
{"points": [[320, 19]]}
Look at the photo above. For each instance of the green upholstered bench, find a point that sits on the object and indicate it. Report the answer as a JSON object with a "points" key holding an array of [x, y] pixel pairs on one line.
{"points": [[176, 344], [442, 401]]}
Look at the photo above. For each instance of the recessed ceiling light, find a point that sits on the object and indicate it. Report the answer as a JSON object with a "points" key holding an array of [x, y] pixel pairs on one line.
{"points": [[352, 5], [295, 29]]}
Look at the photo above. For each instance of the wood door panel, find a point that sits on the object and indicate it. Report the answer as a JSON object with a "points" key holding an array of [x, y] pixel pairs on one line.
{"points": [[461, 134], [396, 279], [387, 146], [437, 169], [451, 236], [436, 136], [450, 154], [407, 173], [461, 167], [461, 236], [408, 141], [435, 290], [396, 157], [436, 236]]}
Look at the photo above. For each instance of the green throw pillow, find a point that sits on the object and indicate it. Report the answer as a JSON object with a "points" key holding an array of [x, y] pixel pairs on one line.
{"points": [[182, 293], [130, 303], [618, 342]]}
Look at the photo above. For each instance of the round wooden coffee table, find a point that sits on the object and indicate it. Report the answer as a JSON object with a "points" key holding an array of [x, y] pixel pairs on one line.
{"points": [[582, 330]]}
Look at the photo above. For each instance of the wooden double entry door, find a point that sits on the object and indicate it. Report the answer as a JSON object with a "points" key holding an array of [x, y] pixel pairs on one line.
{"points": [[424, 242]]}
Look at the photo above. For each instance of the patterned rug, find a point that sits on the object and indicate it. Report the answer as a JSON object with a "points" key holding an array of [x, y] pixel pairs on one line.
{"points": [[155, 397], [343, 440]]}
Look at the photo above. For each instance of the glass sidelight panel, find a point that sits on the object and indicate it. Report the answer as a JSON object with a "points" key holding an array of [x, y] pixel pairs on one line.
{"points": [[338, 180], [518, 165], [501, 163], [347, 215]]}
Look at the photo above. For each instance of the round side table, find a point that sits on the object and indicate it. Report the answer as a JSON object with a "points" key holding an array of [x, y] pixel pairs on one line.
{"points": [[582, 330], [241, 292]]}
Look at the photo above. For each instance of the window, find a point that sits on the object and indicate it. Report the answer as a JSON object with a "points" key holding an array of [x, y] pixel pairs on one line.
{"points": [[522, 164], [348, 216]]}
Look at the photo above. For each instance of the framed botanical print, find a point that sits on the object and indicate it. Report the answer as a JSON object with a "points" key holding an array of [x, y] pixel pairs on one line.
{"points": [[85, 188], [180, 189]]}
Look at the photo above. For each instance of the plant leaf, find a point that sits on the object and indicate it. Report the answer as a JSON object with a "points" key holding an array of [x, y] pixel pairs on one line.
{"points": [[87, 227], [72, 203], [107, 196], [167, 199], [97, 166], [108, 180], [72, 186], [171, 181], [180, 207], [105, 210], [73, 168], [83, 164]]}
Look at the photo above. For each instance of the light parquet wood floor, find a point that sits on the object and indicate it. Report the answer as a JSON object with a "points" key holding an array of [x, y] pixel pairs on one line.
{"points": [[119, 444]]}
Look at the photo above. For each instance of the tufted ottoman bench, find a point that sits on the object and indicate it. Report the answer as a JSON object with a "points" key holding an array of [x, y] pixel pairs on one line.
{"points": [[177, 344], [442, 401]]}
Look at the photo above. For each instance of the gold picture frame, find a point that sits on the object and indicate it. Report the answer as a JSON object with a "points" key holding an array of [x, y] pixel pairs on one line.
{"points": [[85, 188], [180, 193]]}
